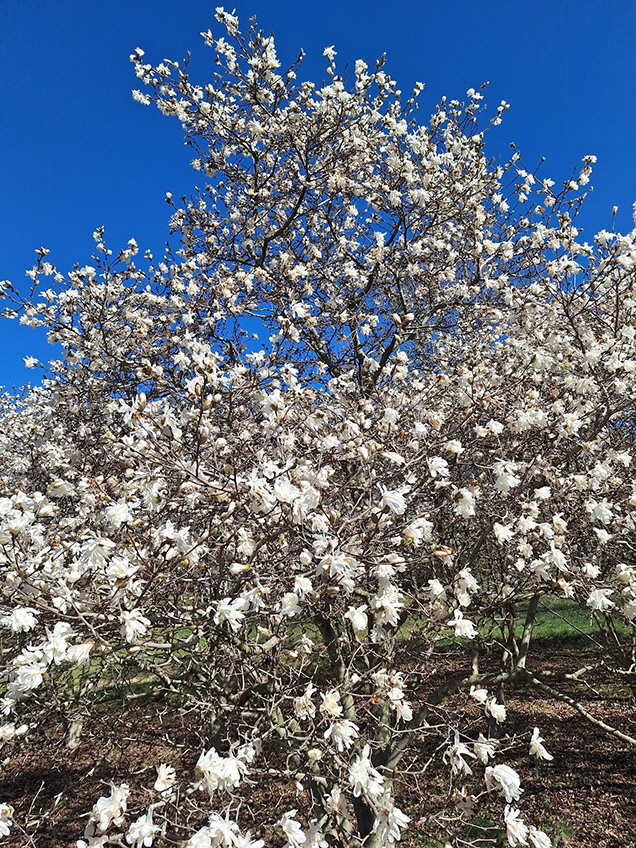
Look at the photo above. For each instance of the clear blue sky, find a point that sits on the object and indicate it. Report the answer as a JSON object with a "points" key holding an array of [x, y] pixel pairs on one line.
{"points": [[76, 152]]}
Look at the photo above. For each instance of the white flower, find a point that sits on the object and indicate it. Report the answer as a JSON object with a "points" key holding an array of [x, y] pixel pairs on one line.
{"points": [[390, 820], [402, 708], [508, 781], [417, 531], [599, 600], [140, 97], [166, 776], [231, 22], [219, 772], [393, 501], [436, 590], [497, 711], [464, 503], [59, 489], [602, 535], [502, 532], [134, 624], [341, 567], [455, 754], [387, 605], [437, 467], [358, 617], [543, 494], [479, 695], [484, 748], [536, 746], [303, 586], [6, 822], [120, 568], [342, 733], [30, 675], [231, 611], [21, 620], [292, 830], [7, 731], [56, 646], [394, 457], [556, 557], [516, 830], [223, 831], [304, 707], [466, 585], [454, 446], [249, 751], [315, 837], [285, 491], [463, 627], [336, 803], [289, 604], [600, 511], [141, 832], [201, 839], [364, 778], [111, 810], [331, 703], [506, 477], [117, 514], [79, 654], [93, 841]]}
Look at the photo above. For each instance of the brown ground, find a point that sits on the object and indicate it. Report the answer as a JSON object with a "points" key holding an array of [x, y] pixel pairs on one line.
{"points": [[584, 798]]}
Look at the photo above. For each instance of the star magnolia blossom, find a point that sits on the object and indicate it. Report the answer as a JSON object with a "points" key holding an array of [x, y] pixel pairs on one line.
{"points": [[166, 777], [6, 821], [358, 617], [394, 501], [455, 755], [484, 748], [111, 809], [331, 703], [465, 503], [21, 620], [508, 780], [342, 734], [537, 749], [134, 624], [220, 772], [462, 626], [304, 707], [391, 821], [293, 831], [364, 778], [142, 832], [516, 830], [497, 711]]}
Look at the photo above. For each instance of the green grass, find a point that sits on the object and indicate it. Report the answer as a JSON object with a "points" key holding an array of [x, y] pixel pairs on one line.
{"points": [[562, 618]]}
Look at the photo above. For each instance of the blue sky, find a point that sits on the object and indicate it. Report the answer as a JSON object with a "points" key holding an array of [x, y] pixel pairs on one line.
{"points": [[76, 152]]}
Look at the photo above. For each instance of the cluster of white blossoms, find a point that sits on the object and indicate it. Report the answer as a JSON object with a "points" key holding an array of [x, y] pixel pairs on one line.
{"points": [[372, 401]]}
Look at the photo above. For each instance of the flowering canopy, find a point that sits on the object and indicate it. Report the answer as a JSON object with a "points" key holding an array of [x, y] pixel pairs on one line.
{"points": [[381, 395]]}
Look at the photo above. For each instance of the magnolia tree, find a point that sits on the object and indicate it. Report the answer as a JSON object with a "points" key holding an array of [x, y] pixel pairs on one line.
{"points": [[380, 396]]}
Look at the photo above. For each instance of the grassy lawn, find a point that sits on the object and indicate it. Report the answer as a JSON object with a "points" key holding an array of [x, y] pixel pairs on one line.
{"points": [[561, 618]]}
